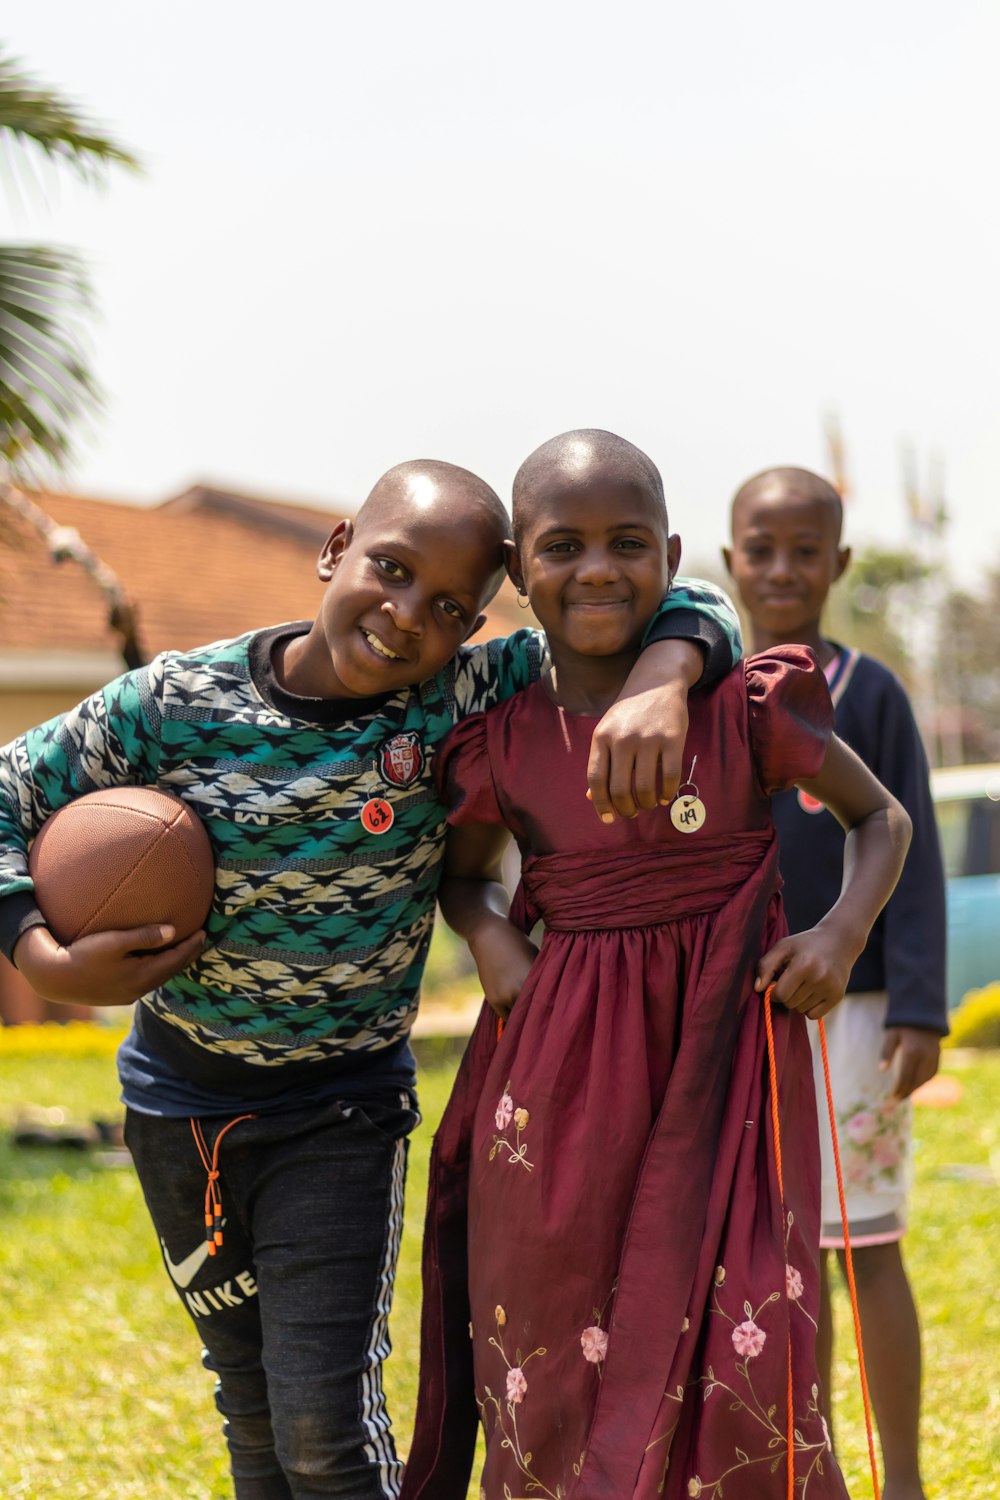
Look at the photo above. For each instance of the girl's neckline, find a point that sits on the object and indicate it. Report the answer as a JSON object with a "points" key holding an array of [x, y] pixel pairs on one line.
{"points": [[541, 687]]}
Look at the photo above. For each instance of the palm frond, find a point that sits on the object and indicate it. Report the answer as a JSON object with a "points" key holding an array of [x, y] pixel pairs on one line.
{"points": [[45, 381], [45, 384], [32, 113]]}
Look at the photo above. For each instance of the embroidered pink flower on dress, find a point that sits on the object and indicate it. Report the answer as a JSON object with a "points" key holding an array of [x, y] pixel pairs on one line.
{"points": [[856, 1169], [505, 1110], [793, 1283], [826, 1435], [517, 1386], [748, 1339], [861, 1126], [886, 1153], [594, 1343]]}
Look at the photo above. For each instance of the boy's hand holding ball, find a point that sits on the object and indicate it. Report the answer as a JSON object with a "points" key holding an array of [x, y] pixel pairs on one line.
{"points": [[124, 879]]}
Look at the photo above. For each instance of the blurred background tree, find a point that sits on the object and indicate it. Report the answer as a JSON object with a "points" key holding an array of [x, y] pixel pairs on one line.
{"points": [[876, 602], [46, 384], [943, 641], [969, 636]]}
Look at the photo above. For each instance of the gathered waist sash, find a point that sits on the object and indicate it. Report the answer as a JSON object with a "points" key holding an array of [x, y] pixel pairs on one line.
{"points": [[639, 887]]}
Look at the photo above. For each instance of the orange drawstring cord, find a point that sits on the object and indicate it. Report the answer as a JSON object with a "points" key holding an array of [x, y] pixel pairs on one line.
{"points": [[776, 1129], [849, 1262], [772, 1069], [213, 1194]]}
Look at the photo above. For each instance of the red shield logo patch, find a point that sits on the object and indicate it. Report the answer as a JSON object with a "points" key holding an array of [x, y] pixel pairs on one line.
{"points": [[402, 758]]}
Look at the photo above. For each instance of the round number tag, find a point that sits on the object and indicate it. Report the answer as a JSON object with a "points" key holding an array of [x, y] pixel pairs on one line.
{"points": [[377, 815], [687, 813]]}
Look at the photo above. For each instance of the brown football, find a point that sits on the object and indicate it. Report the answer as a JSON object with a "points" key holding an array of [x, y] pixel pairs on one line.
{"points": [[122, 858]]}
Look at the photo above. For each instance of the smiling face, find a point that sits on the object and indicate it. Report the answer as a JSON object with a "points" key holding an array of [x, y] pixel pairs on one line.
{"points": [[595, 558], [786, 555], [406, 582]]}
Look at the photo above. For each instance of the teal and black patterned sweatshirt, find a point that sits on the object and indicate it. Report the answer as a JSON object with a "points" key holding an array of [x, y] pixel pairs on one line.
{"points": [[322, 915]]}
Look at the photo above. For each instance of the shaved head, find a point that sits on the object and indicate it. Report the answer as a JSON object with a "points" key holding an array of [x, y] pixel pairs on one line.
{"points": [[582, 458], [426, 486], [425, 490], [791, 484]]}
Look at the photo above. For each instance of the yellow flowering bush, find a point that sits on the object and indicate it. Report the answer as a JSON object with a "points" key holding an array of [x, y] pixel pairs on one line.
{"points": [[976, 1022], [74, 1039]]}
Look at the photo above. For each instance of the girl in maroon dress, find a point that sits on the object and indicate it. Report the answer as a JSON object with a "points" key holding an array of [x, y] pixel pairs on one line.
{"points": [[611, 1285]]}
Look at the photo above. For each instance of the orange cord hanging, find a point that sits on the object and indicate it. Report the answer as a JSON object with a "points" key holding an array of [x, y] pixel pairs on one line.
{"points": [[776, 1129], [213, 1194], [849, 1263], [773, 1072]]}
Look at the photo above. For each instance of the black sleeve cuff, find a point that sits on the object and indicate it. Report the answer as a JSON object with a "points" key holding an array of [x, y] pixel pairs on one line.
{"points": [[936, 1021], [692, 625], [17, 914]]}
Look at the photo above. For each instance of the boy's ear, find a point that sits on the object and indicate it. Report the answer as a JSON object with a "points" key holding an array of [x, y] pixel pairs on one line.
{"points": [[334, 548], [673, 555], [843, 562], [727, 558], [480, 622]]}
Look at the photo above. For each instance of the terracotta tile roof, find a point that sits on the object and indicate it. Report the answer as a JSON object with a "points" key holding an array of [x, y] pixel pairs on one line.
{"points": [[205, 565]]}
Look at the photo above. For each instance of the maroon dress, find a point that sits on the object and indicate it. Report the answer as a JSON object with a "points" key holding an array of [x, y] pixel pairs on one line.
{"points": [[610, 1285]]}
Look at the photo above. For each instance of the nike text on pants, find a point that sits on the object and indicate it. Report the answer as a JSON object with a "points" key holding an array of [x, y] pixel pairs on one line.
{"points": [[293, 1309]]}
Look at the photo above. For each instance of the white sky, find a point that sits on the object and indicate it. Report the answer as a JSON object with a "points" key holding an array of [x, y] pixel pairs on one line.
{"points": [[375, 232]]}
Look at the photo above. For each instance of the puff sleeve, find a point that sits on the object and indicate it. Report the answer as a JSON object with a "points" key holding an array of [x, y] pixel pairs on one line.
{"points": [[791, 715], [464, 775]]}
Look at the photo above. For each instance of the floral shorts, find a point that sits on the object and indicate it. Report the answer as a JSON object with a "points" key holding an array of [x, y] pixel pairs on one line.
{"points": [[873, 1133]]}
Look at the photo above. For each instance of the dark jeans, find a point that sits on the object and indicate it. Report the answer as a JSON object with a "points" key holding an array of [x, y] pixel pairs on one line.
{"points": [[293, 1309]]}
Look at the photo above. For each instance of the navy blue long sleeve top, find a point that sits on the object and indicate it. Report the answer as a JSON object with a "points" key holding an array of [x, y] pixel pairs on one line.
{"points": [[905, 954]]}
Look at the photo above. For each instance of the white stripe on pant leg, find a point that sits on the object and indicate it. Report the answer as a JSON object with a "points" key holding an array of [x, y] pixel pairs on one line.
{"points": [[374, 1415], [379, 1449]]}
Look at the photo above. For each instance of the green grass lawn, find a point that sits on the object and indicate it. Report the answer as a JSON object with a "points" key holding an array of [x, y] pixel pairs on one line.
{"points": [[104, 1396]]}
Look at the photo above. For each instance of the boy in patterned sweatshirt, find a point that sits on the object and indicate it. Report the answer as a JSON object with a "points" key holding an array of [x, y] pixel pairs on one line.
{"points": [[281, 1033]]}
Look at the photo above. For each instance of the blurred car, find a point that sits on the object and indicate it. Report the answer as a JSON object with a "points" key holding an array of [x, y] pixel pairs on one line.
{"points": [[967, 803]]}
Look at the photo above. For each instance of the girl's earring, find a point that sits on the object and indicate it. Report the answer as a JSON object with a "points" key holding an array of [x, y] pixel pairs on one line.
{"points": [[522, 599]]}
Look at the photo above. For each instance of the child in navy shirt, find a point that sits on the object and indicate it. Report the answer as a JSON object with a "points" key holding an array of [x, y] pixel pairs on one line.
{"points": [[884, 1037]]}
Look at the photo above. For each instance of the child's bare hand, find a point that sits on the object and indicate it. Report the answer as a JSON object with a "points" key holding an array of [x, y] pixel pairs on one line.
{"points": [[636, 752], [809, 972], [106, 968], [911, 1056], [504, 957]]}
